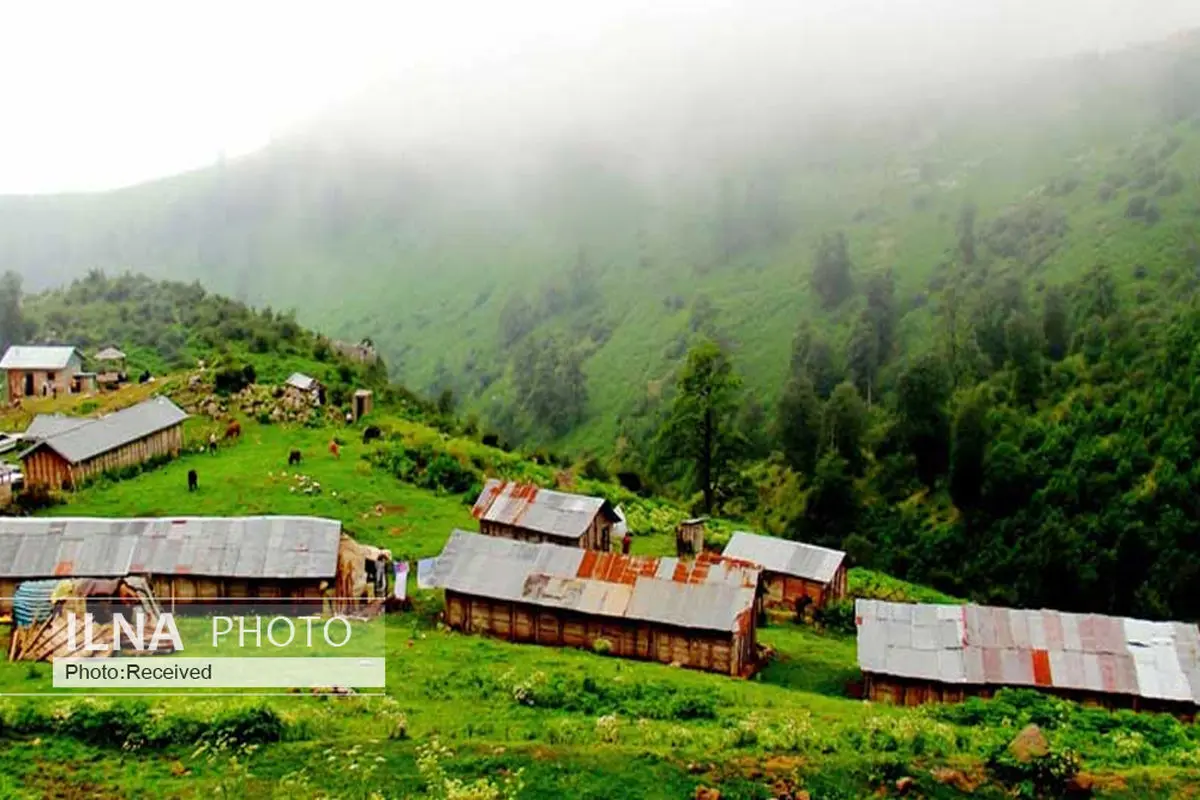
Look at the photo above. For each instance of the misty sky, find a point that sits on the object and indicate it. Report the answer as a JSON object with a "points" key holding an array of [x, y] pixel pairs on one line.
{"points": [[96, 95]]}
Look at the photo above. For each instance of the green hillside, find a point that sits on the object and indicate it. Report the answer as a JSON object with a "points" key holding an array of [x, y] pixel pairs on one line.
{"points": [[466, 272], [556, 722]]}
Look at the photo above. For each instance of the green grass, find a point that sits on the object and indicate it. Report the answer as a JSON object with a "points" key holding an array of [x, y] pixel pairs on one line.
{"points": [[502, 706], [252, 476]]}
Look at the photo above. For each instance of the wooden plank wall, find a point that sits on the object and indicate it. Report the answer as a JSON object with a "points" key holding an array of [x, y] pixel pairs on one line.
{"points": [[911, 692], [518, 622], [47, 469], [164, 443], [503, 531]]}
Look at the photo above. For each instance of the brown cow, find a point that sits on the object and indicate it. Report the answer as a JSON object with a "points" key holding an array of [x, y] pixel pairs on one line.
{"points": [[335, 449], [234, 430]]}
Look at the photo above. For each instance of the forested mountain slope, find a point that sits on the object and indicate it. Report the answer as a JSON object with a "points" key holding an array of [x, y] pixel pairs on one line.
{"points": [[555, 292]]}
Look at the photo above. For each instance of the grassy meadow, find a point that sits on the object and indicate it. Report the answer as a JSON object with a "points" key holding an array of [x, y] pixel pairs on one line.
{"points": [[460, 709]]}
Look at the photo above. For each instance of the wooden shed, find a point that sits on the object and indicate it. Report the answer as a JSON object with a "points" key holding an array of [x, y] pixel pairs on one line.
{"points": [[363, 402], [699, 615], [193, 559], [531, 514], [912, 654], [113, 370], [793, 570], [689, 536], [67, 454], [34, 371]]}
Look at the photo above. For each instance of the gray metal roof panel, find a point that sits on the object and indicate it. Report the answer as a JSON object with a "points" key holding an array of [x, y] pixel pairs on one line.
{"points": [[548, 512], [986, 645], [44, 426], [301, 381], [216, 547], [37, 357], [786, 557], [99, 436], [546, 574]]}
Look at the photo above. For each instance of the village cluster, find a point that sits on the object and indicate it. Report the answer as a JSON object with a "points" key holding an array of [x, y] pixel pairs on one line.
{"points": [[545, 567]]}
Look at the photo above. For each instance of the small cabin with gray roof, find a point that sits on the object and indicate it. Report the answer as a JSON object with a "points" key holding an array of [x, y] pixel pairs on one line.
{"points": [[65, 454], [531, 514], [33, 371], [792, 571]]}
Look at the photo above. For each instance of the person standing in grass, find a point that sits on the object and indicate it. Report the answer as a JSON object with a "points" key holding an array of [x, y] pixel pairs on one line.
{"points": [[212, 442]]}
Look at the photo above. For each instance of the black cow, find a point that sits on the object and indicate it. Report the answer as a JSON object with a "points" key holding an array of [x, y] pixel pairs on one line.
{"points": [[371, 434], [293, 458], [193, 480]]}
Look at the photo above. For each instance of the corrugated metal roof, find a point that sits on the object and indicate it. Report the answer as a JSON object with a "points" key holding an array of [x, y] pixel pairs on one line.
{"points": [[110, 354], [559, 514], [301, 381], [46, 425], [237, 547], [798, 559], [695, 595], [1013, 647], [98, 436], [36, 357]]}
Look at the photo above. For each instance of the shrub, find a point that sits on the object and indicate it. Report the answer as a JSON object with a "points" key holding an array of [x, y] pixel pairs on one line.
{"points": [[1047, 775], [1136, 207], [838, 616], [34, 498], [1171, 185]]}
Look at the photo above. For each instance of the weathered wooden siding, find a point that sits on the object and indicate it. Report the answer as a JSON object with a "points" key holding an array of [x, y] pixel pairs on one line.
{"points": [[913, 692], [518, 622], [504, 531], [174, 591], [46, 468], [782, 591], [598, 535]]}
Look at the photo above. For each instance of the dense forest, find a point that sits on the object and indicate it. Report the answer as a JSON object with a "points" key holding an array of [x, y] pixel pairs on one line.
{"points": [[597, 262], [955, 341], [1041, 451], [165, 326]]}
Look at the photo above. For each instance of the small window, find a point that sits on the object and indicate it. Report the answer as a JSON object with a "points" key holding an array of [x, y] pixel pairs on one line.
{"points": [[50, 376]]}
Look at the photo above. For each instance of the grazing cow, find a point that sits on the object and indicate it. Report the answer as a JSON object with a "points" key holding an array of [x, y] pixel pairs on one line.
{"points": [[335, 448], [193, 480], [293, 458], [234, 430], [371, 434]]}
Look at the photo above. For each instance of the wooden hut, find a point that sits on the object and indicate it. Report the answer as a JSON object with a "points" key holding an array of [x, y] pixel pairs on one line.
{"points": [[112, 363], [793, 570], [913, 654], [699, 615], [193, 559], [76, 452], [689, 537], [32, 371], [530, 514], [363, 401]]}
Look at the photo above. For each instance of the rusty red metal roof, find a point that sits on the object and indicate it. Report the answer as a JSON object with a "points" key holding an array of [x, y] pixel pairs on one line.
{"points": [[558, 514], [711, 593]]}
